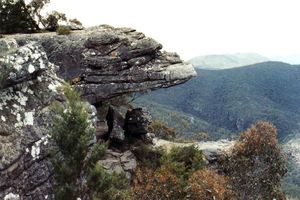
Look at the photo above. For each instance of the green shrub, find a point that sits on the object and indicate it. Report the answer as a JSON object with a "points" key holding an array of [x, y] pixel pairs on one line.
{"points": [[63, 30], [108, 186], [161, 130], [98, 152], [72, 133], [147, 156], [183, 160]]}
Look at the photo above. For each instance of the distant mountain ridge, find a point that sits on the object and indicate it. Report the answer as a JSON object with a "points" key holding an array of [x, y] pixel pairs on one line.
{"points": [[232, 99], [227, 61]]}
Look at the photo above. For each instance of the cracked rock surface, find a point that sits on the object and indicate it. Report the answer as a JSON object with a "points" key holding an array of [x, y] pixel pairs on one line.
{"points": [[101, 62], [104, 62]]}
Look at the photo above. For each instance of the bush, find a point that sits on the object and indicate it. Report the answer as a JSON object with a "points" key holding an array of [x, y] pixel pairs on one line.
{"points": [[167, 178], [161, 130], [147, 156], [108, 186], [207, 184], [72, 132], [183, 161], [155, 185], [256, 164], [63, 30], [98, 152]]}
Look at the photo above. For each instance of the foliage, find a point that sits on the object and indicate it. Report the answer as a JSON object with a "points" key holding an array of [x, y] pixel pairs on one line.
{"points": [[180, 176], [161, 130], [75, 21], [35, 7], [167, 178], [98, 151], [72, 132], [19, 17], [256, 164], [51, 22], [108, 186], [147, 156], [15, 17], [206, 185], [183, 161], [63, 30], [155, 185]]}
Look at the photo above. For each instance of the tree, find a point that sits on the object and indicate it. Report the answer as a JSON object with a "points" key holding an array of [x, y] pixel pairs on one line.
{"points": [[72, 132], [257, 164], [15, 17], [35, 7], [50, 23], [18, 17], [76, 171]]}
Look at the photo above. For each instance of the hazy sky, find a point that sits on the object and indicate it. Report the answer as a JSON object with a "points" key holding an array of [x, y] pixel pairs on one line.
{"points": [[201, 27]]}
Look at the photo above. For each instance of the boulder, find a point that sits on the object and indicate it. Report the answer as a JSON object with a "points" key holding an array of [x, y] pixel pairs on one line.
{"points": [[119, 162], [136, 123]]}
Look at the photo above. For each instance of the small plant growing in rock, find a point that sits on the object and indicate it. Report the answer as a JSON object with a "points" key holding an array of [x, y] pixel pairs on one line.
{"points": [[63, 30]]}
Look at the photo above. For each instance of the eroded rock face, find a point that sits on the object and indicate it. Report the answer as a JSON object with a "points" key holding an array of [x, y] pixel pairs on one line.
{"points": [[101, 62], [25, 171], [104, 62]]}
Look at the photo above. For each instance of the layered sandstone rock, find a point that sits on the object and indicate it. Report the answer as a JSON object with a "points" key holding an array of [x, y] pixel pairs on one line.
{"points": [[101, 62]]}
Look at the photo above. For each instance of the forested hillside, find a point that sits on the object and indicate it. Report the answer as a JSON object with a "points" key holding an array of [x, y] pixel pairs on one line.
{"points": [[232, 99]]}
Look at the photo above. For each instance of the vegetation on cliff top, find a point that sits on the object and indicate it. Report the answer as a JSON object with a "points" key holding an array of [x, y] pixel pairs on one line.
{"points": [[20, 17]]}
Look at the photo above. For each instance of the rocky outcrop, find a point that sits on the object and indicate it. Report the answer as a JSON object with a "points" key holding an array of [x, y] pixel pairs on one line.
{"points": [[212, 150], [104, 62], [101, 62], [25, 102], [119, 162]]}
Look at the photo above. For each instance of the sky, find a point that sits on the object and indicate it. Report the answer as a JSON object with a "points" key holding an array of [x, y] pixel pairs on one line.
{"points": [[201, 27]]}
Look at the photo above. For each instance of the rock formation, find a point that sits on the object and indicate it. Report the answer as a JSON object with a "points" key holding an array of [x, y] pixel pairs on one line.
{"points": [[101, 63]]}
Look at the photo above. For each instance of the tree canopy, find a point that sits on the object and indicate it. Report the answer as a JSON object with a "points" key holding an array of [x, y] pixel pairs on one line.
{"points": [[18, 17], [15, 17]]}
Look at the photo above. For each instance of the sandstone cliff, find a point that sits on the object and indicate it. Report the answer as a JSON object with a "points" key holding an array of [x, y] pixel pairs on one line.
{"points": [[101, 62]]}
